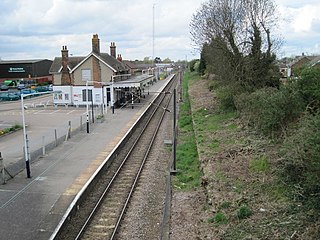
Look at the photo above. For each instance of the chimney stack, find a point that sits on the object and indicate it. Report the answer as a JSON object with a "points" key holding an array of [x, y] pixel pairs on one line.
{"points": [[113, 49], [65, 77], [65, 58], [95, 44]]}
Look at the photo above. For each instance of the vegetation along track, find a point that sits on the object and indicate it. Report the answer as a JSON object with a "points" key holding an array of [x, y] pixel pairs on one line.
{"points": [[99, 213]]}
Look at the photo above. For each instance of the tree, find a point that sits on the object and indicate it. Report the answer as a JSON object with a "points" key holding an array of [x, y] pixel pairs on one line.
{"points": [[192, 65], [147, 60], [202, 64], [167, 60], [235, 38]]}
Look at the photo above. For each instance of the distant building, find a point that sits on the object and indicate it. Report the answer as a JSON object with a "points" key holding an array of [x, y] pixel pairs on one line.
{"points": [[36, 70], [291, 67], [101, 71]]}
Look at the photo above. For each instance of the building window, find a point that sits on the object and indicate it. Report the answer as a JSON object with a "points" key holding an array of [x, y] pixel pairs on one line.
{"points": [[108, 95], [86, 75], [84, 95]]}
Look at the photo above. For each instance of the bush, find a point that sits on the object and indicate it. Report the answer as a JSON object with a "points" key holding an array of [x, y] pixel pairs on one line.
{"points": [[309, 86], [244, 212], [270, 109], [300, 167]]}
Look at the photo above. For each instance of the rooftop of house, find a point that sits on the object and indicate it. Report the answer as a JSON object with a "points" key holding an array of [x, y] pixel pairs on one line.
{"points": [[57, 63]]}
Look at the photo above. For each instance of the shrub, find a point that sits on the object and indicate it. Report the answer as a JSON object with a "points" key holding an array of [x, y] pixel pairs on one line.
{"points": [[269, 109], [309, 86], [225, 97], [300, 167], [244, 212]]}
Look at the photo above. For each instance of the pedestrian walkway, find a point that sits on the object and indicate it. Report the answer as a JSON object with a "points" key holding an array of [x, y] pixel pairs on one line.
{"points": [[31, 208]]}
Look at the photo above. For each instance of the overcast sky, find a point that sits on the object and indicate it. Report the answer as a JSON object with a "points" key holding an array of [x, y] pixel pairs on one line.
{"points": [[33, 29]]}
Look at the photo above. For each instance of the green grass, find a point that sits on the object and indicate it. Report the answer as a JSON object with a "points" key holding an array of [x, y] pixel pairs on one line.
{"points": [[10, 129], [189, 174], [218, 218], [260, 164]]}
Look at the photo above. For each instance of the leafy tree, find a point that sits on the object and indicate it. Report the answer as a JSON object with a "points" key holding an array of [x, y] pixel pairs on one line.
{"points": [[147, 60], [167, 60], [202, 64], [192, 65]]}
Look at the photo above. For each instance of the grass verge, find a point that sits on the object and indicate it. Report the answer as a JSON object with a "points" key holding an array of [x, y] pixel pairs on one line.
{"points": [[189, 174], [10, 129]]}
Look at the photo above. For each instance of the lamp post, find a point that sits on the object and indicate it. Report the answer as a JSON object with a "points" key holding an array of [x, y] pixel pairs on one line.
{"points": [[112, 95], [25, 139], [87, 102], [25, 136], [87, 106]]}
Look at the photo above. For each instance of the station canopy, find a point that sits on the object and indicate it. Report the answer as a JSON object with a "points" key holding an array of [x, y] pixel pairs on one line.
{"points": [[140, 81]]}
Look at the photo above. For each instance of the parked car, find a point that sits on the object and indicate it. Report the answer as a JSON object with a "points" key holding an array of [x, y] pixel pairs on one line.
{"points": [[21, 86], [4, 87], [42, 89], [9, 96], [27, 91]]}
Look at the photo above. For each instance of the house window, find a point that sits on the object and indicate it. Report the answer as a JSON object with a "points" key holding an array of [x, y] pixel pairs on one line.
{"points": [[86, 75], [108, 95], [84, 95]]}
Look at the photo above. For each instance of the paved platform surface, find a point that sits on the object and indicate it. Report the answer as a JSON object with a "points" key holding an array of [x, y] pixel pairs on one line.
{"points": [[31, 208]]}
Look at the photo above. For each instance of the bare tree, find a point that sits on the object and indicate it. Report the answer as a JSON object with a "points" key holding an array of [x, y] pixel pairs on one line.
{"points": [[237, 39]]}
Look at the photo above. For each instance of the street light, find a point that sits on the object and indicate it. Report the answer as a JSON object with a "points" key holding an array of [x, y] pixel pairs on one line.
{"points": [[25, 139], [87, 99], [25, 136]]}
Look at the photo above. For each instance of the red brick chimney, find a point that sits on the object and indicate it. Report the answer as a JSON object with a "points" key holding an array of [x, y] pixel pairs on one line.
{"points": [[119, 58], [113, 49], [95, 44], [96, 69], [65, 75]]}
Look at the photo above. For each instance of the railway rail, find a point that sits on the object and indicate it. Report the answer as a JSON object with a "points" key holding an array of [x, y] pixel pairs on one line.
{"points": [[101, 207]]}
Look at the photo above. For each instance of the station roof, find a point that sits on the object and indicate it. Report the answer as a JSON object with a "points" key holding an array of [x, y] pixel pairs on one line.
{"points": [[22, 61], [134, 82]]}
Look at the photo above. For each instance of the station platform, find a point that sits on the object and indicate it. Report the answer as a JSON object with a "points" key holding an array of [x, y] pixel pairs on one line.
{"points": [[31, 208]]}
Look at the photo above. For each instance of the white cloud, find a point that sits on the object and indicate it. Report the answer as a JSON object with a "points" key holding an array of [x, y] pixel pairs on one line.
{"points": [[38, 29], [300, 27]]}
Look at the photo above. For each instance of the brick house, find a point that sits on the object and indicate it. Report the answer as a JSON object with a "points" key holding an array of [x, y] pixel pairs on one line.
{"points": [[98, 72]]}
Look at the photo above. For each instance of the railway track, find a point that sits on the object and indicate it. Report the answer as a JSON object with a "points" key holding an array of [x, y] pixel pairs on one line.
{"points": [[99, 213]]}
